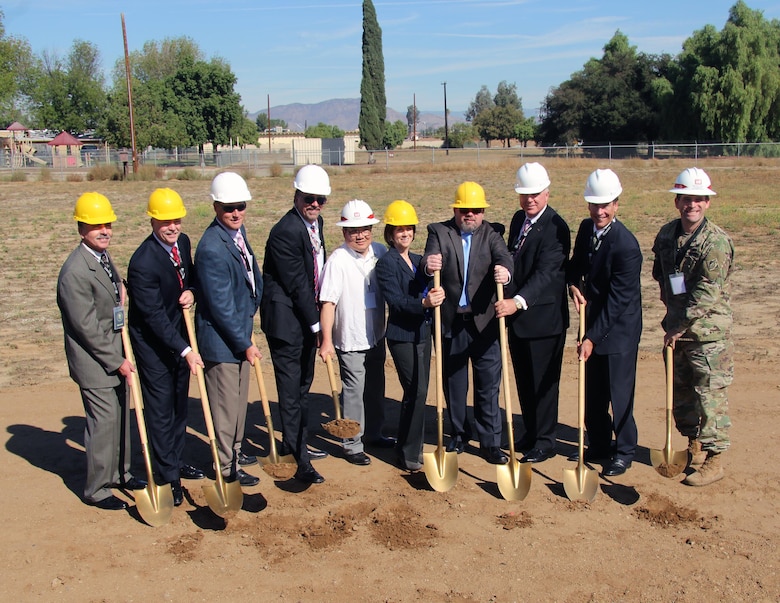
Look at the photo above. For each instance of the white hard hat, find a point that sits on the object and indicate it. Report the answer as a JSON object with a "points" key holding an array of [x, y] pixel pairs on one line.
{"points": [[312, 179], [229, 187], [603, 186], [693, 181], [357, 213], [532, 179]]}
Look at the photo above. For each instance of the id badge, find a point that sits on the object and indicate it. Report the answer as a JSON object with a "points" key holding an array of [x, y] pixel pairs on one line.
{"points": [[677, 283], [119, 318], [370, 300]]}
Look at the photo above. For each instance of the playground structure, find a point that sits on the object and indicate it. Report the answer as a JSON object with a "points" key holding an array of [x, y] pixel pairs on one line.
{"points": [[17, 148]]}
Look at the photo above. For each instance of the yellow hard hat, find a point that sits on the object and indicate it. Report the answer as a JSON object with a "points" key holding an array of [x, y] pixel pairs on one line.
{"points": [[470, 195], [401, 213], [165, 204], [93, 208]]}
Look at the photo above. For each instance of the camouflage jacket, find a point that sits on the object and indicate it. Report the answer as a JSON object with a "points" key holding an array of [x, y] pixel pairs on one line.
{"points": [[703, 311]]}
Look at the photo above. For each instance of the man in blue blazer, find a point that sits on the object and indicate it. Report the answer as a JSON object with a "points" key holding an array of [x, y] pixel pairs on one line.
{"points": [[161, 281], [536, 304], [604, 271], [292, 270], [472, 258], [230, 290]]}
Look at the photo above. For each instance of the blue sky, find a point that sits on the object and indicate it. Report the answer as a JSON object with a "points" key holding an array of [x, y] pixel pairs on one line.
{"points": [[307, 51]]}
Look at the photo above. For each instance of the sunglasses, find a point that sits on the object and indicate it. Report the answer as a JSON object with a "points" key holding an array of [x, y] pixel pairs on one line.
{"points": [[357, 230], [310, 199], [229, 208], [470, 210]]}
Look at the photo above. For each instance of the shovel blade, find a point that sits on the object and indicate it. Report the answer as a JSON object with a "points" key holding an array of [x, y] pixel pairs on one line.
{"points": [[514, 480], [441, 469], [224, 501], [581, 484], [669, 463], [154, 504]]}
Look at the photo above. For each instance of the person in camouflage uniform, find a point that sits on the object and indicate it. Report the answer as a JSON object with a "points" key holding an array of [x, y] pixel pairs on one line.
{"points": [[693, 261]]}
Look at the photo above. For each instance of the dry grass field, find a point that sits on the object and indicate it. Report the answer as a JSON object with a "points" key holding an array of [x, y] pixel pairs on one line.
{"points": [[373, 533]]}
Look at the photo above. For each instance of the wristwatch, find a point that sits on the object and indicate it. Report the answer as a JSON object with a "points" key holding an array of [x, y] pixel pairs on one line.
{"points": [[518, 303]]}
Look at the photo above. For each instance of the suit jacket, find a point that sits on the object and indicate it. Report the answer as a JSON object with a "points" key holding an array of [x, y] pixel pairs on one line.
{"points": [[289, 306], [86, 298], [403, 290], [611, 287], [155, 317], [539, 275], [487, 249], [226, 302]]}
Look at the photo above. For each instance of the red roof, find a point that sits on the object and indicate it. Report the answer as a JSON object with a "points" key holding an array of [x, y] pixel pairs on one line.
{"points": [[17, 127], [65, 138]]}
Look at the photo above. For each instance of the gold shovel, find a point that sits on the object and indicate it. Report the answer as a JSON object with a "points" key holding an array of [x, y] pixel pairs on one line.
{"points": [[224, 498], [338, 427], [581, 484], [668, 462], [278, 467], [514, 478], [441, 467], [154, 503]]}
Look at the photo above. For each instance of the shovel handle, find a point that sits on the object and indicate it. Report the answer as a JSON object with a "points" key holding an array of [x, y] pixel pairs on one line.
{"points": [[581, 393], [334, 388], [266, 406], [505, 375]]}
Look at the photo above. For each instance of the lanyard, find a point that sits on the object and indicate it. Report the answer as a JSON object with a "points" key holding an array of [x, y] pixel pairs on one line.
{"points": [[679, 255]]}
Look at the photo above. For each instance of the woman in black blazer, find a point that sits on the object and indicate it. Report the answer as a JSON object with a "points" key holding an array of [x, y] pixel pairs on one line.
{"points": [[409, 300]]}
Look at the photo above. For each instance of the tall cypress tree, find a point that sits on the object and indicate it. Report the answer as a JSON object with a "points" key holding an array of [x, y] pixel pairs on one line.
{"points": [[373, 102]]}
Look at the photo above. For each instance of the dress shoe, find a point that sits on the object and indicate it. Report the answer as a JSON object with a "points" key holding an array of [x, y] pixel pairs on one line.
{"points": [[382, 442], [358, 458], [112, 503], [246, 459], [616, 467], [592, 456], [308, 475], [316, 455], [537, 455], [131, 484], [243, 478], [190, 472], [494, 455], [456, 445], [178, 494]]}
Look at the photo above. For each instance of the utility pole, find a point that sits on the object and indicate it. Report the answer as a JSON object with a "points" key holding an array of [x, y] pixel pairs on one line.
{"points": [[414, 121], [129, 97], [269, 122], [446, 127]]}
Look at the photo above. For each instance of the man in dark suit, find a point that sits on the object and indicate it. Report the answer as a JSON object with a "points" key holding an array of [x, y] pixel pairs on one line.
{"points": [[90, 297], [604, 271], [229, 294], [161, 280], [292, 270], [536, 304], [472, 258]]}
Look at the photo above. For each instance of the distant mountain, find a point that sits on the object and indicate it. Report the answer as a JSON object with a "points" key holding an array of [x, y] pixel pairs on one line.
{"points": [[345, 113]]}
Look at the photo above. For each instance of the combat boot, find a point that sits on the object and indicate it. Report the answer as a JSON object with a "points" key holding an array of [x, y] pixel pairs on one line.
{"points": [[698, 456], [711, 471]]}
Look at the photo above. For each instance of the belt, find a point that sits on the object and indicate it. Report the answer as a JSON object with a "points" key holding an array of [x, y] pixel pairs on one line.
{"points": [[465, 316]]}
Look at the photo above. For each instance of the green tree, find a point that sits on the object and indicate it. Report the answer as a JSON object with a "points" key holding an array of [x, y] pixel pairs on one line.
{"points": [[395, 133], [322, 130], [247, 132], [461, 134], [482, 102], [262, 122], [373, 102], [525, 130], [496, 117], [15, 61], [412, 117]]}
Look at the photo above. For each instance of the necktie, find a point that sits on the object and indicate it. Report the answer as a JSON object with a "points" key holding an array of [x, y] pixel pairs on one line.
{"points": [[107, 267], [464, 295], [178, 265], [241, 244], [315, 252], [523, 234]]}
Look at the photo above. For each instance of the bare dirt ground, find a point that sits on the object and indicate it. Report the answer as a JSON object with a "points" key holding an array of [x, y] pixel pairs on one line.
{"points": [[377, 534]]}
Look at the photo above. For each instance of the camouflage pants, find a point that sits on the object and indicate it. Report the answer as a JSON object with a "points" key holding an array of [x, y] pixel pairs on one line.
{"points": [[702, 372]]}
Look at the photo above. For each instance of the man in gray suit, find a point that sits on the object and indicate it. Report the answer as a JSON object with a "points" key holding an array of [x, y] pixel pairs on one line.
{"points": [[90, 297], [472, 258]]}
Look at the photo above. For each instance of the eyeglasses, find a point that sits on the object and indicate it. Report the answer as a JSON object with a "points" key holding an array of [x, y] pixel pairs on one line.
{"points": [[310, 199], [471, 210], [353, 232], [229, 208]]}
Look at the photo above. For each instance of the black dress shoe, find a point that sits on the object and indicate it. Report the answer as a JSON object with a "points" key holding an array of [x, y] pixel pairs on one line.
{"points": [[131, 484], [243, 478], [190, 472], [112, 503], [382, 442], [537, 455], [178, 494], [494, 455], [308, 475], [316, 455], [358, 458], [456, 445], [616, 467], [246, 459]]}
